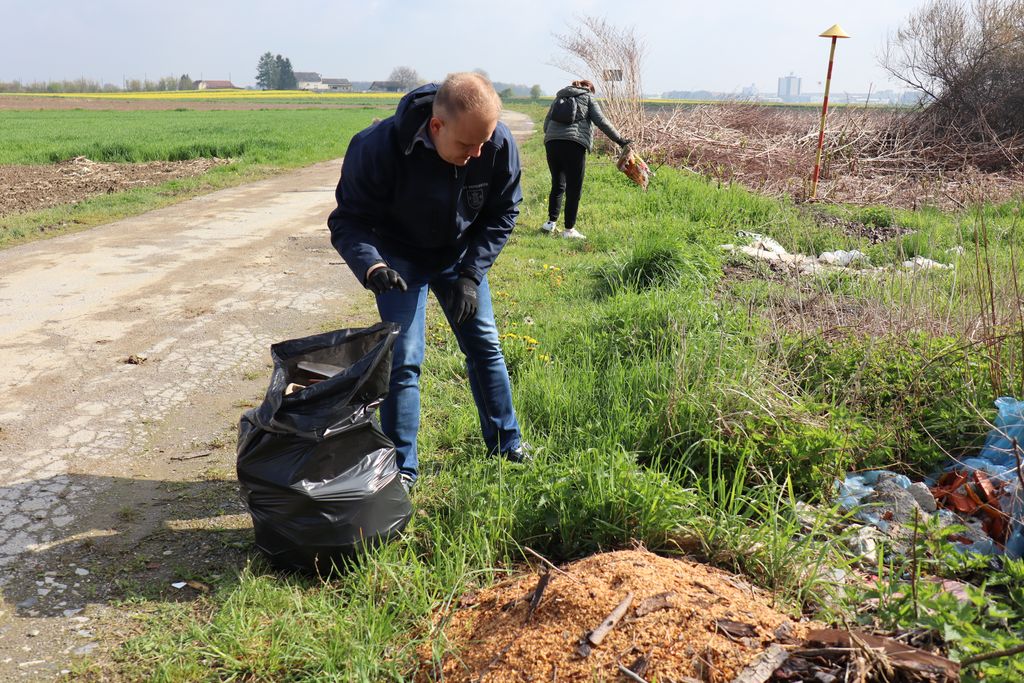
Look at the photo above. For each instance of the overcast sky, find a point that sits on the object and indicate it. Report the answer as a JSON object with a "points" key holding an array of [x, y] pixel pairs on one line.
{"points": [[720, 45]]}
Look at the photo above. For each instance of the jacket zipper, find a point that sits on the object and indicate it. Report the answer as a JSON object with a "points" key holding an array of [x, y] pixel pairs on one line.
{"points": [[455, 200]]}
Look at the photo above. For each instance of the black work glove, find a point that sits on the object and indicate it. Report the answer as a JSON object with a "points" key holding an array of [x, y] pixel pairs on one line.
{"points": [[384, 279], [462, 300]]}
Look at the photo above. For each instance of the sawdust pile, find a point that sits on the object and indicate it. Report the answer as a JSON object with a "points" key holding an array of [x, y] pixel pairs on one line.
{"points": [[31, 187], [686, 620]]}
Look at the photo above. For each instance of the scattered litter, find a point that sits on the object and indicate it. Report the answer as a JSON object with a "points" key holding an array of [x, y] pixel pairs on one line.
{"points": [[179, 584], [923, 495], [136, 359], [767, 249], [983, 493], [842, 258], [82, 572], [922, 263]]}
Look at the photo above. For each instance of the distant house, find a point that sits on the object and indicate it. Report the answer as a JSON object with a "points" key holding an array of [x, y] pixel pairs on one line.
{"points": [[307, 80], [386, 86], [310, 80], [215, 85], [337, 84]]}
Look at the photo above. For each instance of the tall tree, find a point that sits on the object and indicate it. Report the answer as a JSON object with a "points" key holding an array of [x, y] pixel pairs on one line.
{"points": [[535, 92], [405, 76], [285, 76], [265, 71], [186, 83]]}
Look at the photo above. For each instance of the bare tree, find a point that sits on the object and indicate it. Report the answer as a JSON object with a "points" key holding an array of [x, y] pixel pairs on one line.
{"points": [[406, 76], [967, 58], [611, 58]]}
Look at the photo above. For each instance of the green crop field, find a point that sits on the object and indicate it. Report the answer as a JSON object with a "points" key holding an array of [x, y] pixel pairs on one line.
{"points": [[258, 142], [681, 397], [280, 137], [228, 96]]}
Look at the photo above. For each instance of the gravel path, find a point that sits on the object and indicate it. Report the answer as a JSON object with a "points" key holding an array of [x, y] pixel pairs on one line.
{"points": [[127, 350]]}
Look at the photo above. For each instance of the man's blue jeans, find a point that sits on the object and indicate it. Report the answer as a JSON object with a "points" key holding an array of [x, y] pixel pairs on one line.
{"points": [[478, 340]]}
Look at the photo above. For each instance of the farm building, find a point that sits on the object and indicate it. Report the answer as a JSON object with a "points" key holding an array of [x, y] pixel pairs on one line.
{"points": [[310, 80], [215, 85], [307, 80], [337, 84], [386, 86]]}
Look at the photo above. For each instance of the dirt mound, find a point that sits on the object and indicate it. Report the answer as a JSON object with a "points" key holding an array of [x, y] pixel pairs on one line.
{"points": [[686, 619], [30, 188]]}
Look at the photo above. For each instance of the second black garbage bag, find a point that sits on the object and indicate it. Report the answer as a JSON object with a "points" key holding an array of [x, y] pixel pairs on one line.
{"points": [[317, 474]]}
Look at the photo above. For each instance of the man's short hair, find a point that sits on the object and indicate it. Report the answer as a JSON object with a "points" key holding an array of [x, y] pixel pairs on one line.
{"points": [[466, 92]]}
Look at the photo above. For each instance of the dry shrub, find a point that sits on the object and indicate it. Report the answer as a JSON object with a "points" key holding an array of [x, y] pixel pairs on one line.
{"points": [[872, 156], [593, 49]]}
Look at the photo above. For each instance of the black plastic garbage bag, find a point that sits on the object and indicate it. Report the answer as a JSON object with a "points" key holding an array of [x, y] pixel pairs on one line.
{"points": [[317, 474]]}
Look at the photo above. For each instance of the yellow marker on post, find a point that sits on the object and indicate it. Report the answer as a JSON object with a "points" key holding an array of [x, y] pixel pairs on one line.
{"points": [[834, 33]]}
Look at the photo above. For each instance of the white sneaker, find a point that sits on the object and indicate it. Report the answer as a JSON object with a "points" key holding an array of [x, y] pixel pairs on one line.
{"points": [[573, 234], [548, 227]]}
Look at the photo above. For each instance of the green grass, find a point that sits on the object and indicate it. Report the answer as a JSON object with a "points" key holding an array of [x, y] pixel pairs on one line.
{"points": [[280, 137], [259, 143], [672, 405]]}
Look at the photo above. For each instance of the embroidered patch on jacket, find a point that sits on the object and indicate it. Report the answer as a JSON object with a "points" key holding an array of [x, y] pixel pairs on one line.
{"points": [[475, 195]]}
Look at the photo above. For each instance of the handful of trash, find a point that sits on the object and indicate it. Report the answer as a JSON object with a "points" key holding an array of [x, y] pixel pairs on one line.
{"points": [[634, 167]]}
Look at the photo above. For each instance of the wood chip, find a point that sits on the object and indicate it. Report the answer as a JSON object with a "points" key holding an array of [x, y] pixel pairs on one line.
{"points": [[655, 603], [598, 634], [762, 668], [735, 630], [538, 593]]}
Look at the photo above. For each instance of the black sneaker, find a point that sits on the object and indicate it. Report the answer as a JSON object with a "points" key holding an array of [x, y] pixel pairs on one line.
{"points": [[524, 453]]}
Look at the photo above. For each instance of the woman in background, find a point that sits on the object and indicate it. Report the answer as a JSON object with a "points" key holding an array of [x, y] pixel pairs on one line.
{"points": [[568, 136]]}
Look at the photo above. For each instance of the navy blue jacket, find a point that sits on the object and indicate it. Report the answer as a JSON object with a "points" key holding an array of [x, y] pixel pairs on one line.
{"points": [[400, 198]]}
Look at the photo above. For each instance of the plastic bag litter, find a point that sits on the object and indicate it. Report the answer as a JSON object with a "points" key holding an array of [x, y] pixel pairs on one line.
{"points": [[996, 461], [852, 491], [841, 257], [634, 167], [317, 474]]}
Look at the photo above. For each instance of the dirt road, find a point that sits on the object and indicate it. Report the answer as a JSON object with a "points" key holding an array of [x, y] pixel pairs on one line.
{"points": [[129, 352]]}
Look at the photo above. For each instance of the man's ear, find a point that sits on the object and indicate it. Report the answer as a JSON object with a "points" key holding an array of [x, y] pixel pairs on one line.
{"points": [[435, 125]]}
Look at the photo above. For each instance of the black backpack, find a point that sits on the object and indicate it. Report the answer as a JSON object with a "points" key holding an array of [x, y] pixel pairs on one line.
{"points": [[566, 109]]}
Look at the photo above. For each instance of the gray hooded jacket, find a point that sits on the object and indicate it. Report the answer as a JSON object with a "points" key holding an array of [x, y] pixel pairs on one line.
{"points": [[581, 131]]}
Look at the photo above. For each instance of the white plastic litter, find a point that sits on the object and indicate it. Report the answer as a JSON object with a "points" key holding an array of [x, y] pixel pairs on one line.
{"points": [[765, 248], [842, 258], [922, 263]]}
